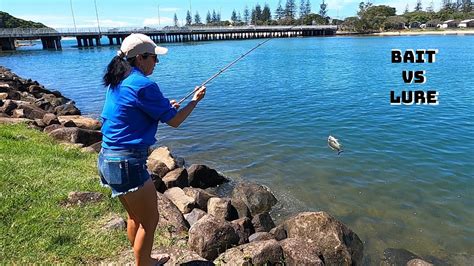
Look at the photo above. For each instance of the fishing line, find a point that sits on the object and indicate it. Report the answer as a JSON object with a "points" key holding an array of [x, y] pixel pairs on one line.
{"points": [[226, 67]]}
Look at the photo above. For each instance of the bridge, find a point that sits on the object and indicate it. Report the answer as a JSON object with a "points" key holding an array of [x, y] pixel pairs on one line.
{"points": [[86, 37]]}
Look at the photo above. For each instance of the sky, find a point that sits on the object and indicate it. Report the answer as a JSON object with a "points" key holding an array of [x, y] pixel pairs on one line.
{"points": [[159, 13]]}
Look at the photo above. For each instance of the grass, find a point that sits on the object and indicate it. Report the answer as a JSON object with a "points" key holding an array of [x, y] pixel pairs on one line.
{"points": [[36, 175]]}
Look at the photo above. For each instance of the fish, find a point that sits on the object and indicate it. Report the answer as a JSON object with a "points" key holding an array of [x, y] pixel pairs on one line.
{"points": [[334, 144]]}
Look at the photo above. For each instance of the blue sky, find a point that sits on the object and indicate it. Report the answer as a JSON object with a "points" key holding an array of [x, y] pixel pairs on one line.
{"points": [[128, 13]]}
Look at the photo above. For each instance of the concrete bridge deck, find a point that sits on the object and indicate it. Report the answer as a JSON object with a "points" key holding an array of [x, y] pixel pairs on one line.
{"points": [[51, 38]]}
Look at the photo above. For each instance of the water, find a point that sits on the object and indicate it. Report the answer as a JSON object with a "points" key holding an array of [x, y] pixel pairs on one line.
{"points": [[405, 179]]}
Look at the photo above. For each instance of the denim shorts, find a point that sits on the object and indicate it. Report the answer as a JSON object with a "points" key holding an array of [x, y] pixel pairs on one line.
{"points": [[123, 170]]}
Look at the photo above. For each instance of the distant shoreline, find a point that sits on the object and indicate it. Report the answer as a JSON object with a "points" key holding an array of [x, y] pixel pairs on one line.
{"points": [[410, 33]]}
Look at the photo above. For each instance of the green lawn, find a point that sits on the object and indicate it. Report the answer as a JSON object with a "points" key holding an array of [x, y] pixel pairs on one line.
{"points": [[36, 175]]}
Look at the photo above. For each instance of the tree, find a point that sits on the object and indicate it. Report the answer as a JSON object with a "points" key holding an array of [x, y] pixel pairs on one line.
{"points": [[303, 9], [279, 12], [246, 15], [239, 18], [418, 6], [290, 10], [430, 8], [266, 14], [197, 18], [314, 19], [258, 12], [374, 17], [189, 19], [467, 6], [233, 17], [322, 10], [214, 16], [208, 17], [407, 9], [395, 23], [175, 20]]}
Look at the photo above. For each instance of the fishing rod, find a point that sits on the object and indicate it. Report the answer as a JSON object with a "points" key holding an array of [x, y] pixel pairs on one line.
{"points": [[226, 67]]}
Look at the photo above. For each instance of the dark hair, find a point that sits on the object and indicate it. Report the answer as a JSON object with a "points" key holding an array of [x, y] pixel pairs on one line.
{"points": [[117, 70]]}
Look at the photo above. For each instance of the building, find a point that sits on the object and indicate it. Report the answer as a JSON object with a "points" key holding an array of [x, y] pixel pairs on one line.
{"points": [[468, 23], [434, 23], [449, 24]]}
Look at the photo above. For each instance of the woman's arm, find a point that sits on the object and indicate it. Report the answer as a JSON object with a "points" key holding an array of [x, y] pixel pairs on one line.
{"points": [[187, 110]]}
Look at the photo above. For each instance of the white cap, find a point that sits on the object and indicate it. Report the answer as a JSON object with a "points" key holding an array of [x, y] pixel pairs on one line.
{"points": [[137, 43]]}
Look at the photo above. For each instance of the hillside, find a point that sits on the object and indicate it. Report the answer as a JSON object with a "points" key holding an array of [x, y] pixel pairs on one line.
{"points": [[9, 21]]}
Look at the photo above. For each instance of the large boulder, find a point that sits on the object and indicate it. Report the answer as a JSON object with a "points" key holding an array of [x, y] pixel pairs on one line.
{"points": [[338, 244], [201, 176], [260, 236], [170, 216], [397, 256], [8, 107], [81, 121], [9, 120], [76, 135], [257, 197], [31, 111], [176, 178], [279, 232], [161, 161], [194, 216], [200, 196], [209, 236], [52, 127], [239, 208], [219, 208], [263, 222], [184, 203], [50, 119], [256, 253], [301, 252], [67, 109], [244, 228]]}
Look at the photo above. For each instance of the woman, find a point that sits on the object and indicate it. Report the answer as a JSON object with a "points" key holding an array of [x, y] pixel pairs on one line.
{"points": [[133, 107]]}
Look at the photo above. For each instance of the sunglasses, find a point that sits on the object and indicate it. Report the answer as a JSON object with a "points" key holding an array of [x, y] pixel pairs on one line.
{"points": [[154, 56]]}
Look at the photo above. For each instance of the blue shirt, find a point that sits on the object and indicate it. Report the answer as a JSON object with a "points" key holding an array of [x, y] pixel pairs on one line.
{"points": [[132, 111]]}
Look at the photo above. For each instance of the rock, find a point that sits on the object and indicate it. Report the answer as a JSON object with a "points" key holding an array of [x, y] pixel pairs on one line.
{"points": [[18, 113], [180, 162], [3, 95], [9, 120], [31, 111], [194, 216], [244, 228], [201, 176], [76, 135], [240, 208], [69, 123], [81, 121], [278, 232], [161, 161], [183, 257], [51, 128], [94, 148], [301, 252], [184, 203], [176, 178], [200, 196], [337, 243], [418, 262], [8, 107], [67, 109], [257, 253], [115, 223], [208, 237], [260, 236], [4, 115], [219, 208], [35, 89], [170, 216], [159, 184], [397, 256], [263, 222], [257, 197], [40, 123], [50, 119], [83, 197]]}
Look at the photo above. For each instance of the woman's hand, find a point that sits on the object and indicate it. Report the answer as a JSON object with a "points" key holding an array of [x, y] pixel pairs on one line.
{"points": [[199, 94], [175, 104]]}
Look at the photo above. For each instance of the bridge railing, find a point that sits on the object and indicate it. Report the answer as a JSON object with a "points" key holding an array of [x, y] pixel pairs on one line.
{"points": [[30, 32]]}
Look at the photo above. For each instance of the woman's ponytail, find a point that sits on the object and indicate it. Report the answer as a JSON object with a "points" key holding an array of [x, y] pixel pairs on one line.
{"points": [[116, 71]]}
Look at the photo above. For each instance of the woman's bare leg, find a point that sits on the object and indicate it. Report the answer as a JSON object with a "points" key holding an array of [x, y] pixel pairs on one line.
{"points": [[132, 223], [143, 205]]}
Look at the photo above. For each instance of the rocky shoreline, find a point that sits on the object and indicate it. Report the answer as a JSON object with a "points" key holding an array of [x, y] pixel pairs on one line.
{"points": [[234, 229]]}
